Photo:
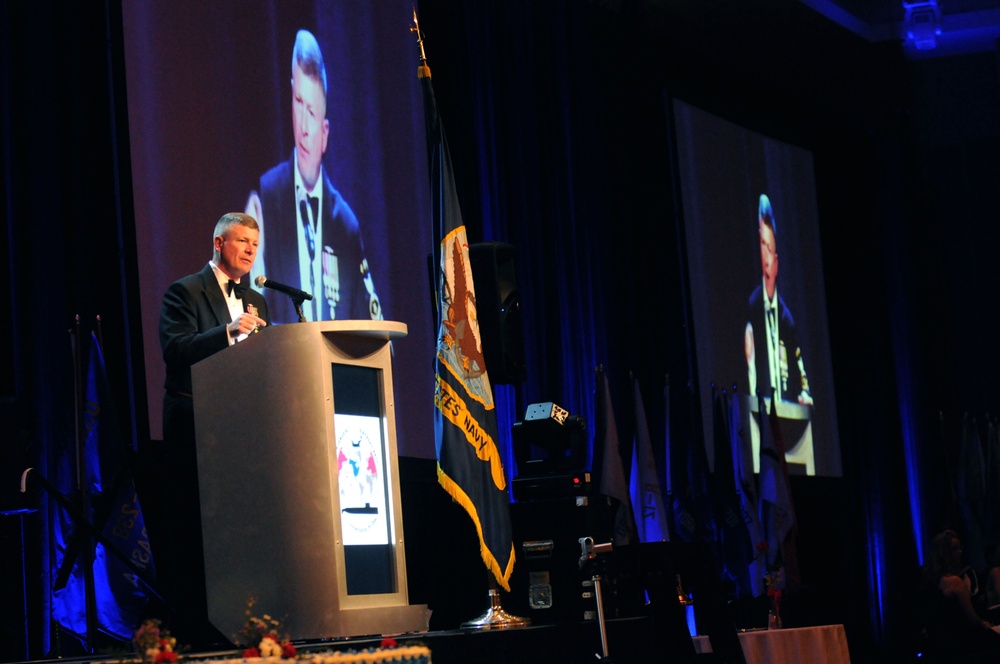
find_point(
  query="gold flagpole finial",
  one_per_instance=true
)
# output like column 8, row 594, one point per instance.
column 423, row 71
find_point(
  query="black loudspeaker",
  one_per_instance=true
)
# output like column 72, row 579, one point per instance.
column 498, row 304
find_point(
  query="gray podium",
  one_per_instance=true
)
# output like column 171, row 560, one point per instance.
column 299, row 481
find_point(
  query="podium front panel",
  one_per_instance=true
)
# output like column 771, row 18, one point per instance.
column 365, row 517
column 269, row 415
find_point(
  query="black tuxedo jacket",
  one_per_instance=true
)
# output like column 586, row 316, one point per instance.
column 193, row 321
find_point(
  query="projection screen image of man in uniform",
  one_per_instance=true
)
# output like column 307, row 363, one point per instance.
column 775, row 365
column 314, row 238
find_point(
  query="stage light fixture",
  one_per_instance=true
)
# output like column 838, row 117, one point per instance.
column 546, row 410
column 549, row 440
column 923, row 23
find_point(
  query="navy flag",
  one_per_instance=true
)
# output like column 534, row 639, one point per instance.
column 470, row 467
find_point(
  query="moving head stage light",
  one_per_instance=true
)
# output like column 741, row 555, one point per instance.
column 550, row 448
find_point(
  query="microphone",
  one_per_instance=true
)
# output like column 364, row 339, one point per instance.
column 294, row 293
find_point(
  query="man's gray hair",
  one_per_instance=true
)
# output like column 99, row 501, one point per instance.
column 231, row 219
column 307, row 57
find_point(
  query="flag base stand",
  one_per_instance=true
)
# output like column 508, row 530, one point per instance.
column 495, row 617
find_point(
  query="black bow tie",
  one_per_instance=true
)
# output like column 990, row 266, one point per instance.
column 240, row 289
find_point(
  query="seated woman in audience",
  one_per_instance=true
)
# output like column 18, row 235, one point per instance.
column 951, row 623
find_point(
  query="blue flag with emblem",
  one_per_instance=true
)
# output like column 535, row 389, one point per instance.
column 112, row 505
column 470, row 467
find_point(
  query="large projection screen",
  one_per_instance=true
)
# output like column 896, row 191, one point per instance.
column 210, row 104
column 728, row 174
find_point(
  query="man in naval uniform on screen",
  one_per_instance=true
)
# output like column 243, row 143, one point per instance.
column 774, row 360
column 773, row 354
column 313, row 238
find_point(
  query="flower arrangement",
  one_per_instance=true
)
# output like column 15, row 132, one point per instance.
column 261, row 636
column 154, row 643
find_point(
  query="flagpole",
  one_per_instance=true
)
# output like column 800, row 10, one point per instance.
column 424, row 70
column 85, row 556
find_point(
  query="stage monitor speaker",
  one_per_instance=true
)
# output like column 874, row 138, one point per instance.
column 498, row 304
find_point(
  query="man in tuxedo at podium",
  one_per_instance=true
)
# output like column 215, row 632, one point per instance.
column 770, row 343
column 202, row 314
column 313, row 238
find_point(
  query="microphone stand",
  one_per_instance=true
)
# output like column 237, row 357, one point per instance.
column 297, row 301
column 589, row 559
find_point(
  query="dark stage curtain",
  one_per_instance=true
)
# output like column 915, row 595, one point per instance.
column 579, row 185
